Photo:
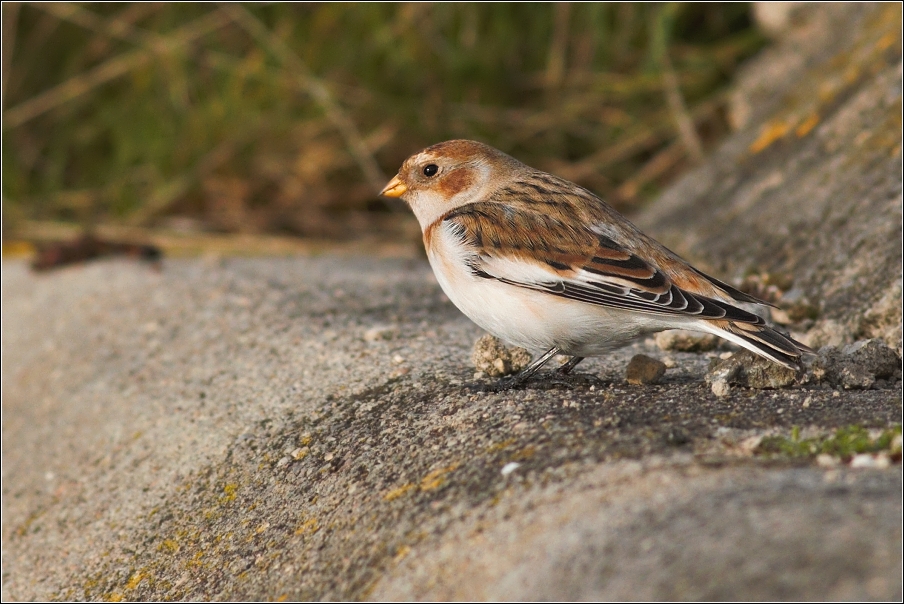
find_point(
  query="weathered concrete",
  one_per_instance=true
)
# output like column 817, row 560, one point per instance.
column 810, row 188
column 225, row 430
column 311, row 429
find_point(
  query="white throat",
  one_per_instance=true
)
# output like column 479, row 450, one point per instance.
column 430, row 206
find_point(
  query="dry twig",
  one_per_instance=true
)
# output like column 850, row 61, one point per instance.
column 118, row 66
column 678, row 108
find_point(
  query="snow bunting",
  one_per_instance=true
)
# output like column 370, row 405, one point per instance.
column 547, row 265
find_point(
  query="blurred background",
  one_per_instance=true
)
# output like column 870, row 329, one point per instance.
column 287, row 119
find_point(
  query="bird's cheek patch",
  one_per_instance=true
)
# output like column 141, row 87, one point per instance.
column 455, row 182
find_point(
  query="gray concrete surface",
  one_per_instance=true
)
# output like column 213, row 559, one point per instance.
column 311, row 428
column 226, row 430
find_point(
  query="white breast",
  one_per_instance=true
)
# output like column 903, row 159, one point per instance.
column 531, row 319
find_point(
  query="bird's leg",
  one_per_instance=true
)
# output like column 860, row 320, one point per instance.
column 571, row 364
column 528, row 371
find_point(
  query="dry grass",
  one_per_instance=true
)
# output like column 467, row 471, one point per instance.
column 288, row 118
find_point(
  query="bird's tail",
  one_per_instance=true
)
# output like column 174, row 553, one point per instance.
column 762, row 340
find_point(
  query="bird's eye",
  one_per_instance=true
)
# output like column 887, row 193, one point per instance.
column 431, row 170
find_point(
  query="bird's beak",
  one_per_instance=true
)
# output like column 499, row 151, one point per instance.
column 395, row 188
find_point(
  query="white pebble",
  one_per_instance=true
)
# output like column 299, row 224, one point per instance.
column 865, row 460
column 826, row 461
column 510, row 467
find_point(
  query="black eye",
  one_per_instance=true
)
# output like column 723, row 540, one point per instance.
column 431, row 170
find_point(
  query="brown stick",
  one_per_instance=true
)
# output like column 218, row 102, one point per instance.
column 113, row 28
column 10, row 28
column 115, row 67
column 683, row 120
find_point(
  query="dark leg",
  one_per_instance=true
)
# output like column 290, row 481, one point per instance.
column 571, row 364
column 528, row 371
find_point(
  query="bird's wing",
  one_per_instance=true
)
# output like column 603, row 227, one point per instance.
column 559, row 247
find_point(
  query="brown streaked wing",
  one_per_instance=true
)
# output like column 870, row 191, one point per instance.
column 552, row 240
column 582, row 265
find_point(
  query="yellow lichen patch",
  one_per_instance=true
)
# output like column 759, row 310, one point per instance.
column 114, row 597
column 808, row 124
column 401, row 553
column 263, row 527
column 282, row 597
column 437, row 478
column 135, row 580
column 772, row 132
column 500, row 446
column 229, row 492
column 168, row 545
column 308, row 526
column 525, row 453
column 398, row 492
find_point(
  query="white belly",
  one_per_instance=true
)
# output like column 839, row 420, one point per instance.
column 536, row 320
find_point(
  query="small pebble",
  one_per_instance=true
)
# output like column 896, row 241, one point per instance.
column 864, row 460
column 780, row 316
column 827, row 461
column 510, row 467
column 380, row 332
column 751, row 371
column 644, row 370
column 721, row 388
column 686, row 341
column 495, row 359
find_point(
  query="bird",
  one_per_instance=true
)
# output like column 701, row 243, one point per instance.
column 544, row 264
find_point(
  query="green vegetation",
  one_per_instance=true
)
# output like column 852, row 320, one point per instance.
column 844, row 443
column 287, row 117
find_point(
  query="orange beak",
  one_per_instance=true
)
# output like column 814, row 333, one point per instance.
column 395, row 188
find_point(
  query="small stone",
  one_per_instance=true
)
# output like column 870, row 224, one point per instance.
column 874, row 356
column 396, row 373
column 749, row 445
column 779, row 316
column 865, row 460
column 752, row 371
column 857, row 366
column 495, row 359
column 827, row 461
column 510, row 467
column 686, row 341
column 380, row 332
column 721, row 388
column 644, row 370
